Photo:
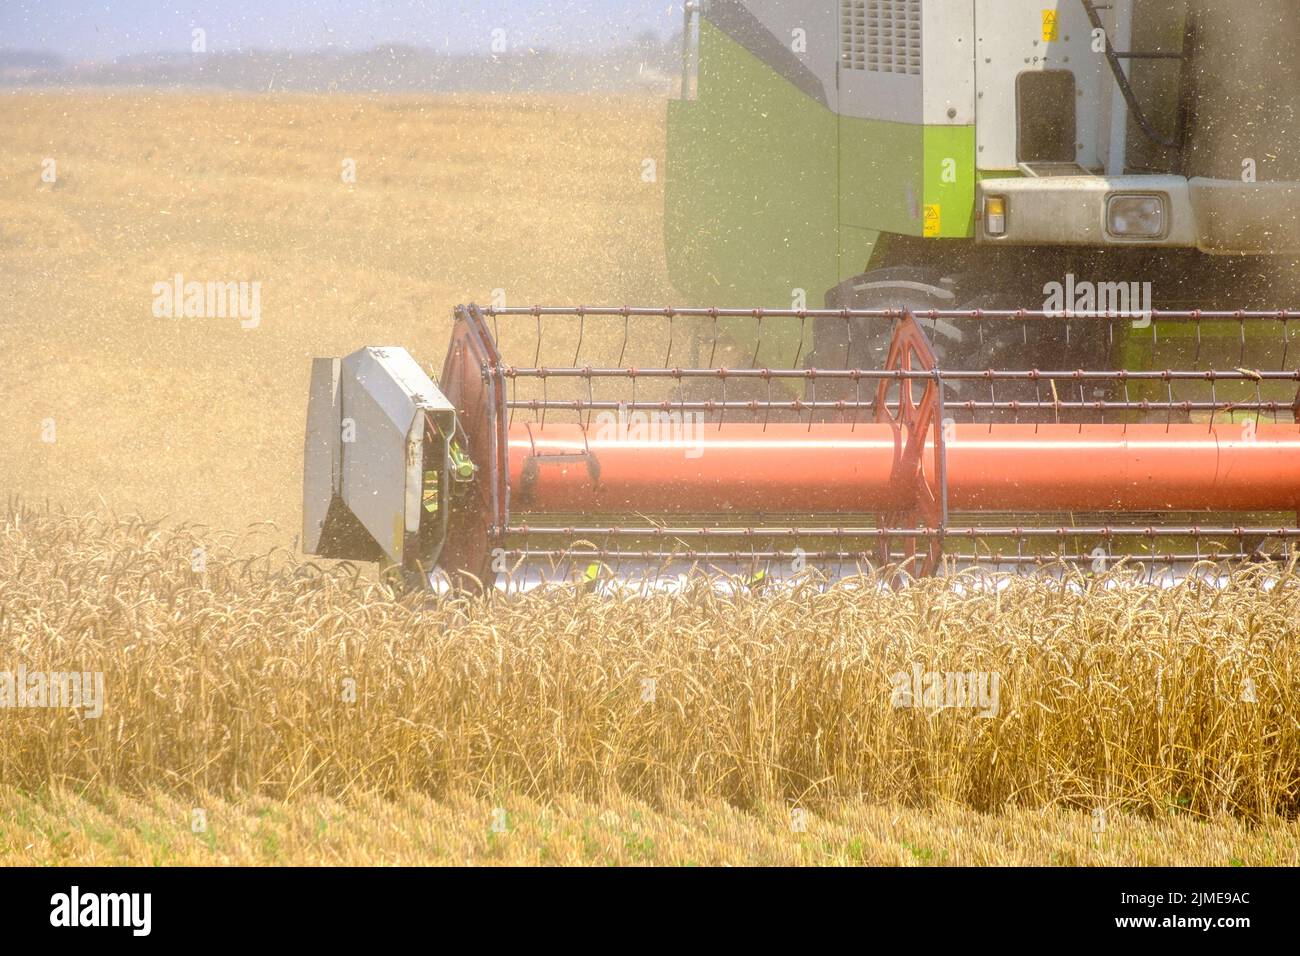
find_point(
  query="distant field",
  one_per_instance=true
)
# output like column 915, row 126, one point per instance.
column 200, row 421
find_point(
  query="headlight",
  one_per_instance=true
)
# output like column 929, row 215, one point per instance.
column 1136, row 217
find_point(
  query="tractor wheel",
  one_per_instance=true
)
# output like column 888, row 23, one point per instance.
column 1047, row 345
column 864, row 343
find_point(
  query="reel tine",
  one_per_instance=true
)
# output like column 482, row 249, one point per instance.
column 1169, row 407
column 668, row 358
column 813, row 380
column 537, row 353
column 681, row 392
column 1128, row 401
column 993, row 399
column 848, row 327
column 582, row 326
column 1286, row 339
column 591, row 399
column 767, row 409
column 722, row 410
column 623, row 348
column 857, row 398
column 713, row 351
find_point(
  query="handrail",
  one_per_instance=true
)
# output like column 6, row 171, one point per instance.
column 1126, row 88
column 690, row 10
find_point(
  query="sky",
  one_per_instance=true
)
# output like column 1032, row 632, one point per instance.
column 107, row 29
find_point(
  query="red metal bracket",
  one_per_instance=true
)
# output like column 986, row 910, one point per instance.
column 918, row 481
column 472, row 382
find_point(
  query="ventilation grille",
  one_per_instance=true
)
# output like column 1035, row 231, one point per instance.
column 881, row 36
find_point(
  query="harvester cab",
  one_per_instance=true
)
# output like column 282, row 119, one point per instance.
column 1052, row 235
column 961, row 154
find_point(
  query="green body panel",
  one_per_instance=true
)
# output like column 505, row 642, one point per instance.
column 750, row 185
column 767, row 191
column 881, row 183
column 1176, row 345
column 950, row 187
column 857, row 245
column 750, row 193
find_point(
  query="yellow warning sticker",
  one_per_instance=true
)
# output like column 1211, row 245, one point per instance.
column 1050, row 28
column 933, row 219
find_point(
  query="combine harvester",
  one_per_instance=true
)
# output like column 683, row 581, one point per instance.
column 977, row 156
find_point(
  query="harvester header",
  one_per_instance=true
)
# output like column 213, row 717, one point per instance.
column 560, row 469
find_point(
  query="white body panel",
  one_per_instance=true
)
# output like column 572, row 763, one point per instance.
column 322, row 451
column 908, row 61
column 1010, row 40
column 1218, row 216
column 1116, row 137
column 384, row 397
column 881, row 51
column 949, row 63
column 1071, row 210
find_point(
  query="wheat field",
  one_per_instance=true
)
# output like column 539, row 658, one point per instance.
column 65, row 827
column 267, row 679
column 316, row 717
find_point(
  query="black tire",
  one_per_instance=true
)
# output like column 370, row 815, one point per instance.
column 864, row 343
column 1046, row 345
column 958, row 345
